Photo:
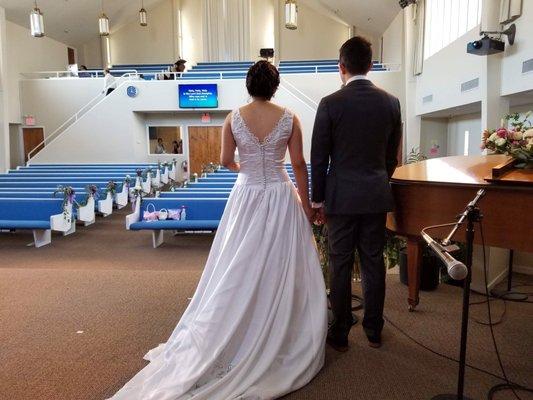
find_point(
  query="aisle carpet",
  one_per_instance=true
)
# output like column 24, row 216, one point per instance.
column 76, row 318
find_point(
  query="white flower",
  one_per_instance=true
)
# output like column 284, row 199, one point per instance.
column 493, row 137
column 518, row 135
column 500, row 142
column 528, row 133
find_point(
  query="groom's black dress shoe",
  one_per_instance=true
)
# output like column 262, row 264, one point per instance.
column 374, row 341
column 339, row 345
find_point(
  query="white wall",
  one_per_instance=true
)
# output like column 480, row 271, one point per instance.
column 28, row 54
column 456, row 134
column 152, row 44
column 393, row 40
column 62, row 97
column 191, row 30
column 317, row 36
column 262, row 26
column 90, row 53
column 443, row 74
column 513, row 80
column 317, row 86
column 433, row 134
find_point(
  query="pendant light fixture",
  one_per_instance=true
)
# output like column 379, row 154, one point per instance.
column 103, row 23
column 36, row 22
column 142, row 15
column 291, row 14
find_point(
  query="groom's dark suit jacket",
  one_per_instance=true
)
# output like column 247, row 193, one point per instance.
column 357, row 133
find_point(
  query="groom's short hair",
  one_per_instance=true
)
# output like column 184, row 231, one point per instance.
column 356, row 55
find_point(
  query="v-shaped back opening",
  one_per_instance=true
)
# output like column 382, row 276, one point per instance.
column 270, row 132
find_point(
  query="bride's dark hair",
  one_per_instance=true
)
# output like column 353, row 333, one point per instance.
column 262, row 80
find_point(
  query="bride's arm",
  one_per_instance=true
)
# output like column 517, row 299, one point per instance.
column 227, row 153
column 299, row 166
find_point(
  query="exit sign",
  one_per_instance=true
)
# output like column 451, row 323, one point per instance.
column 206, row 118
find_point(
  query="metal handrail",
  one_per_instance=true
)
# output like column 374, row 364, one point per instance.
column 82, row 111
column 295, row 89
column 70, row 74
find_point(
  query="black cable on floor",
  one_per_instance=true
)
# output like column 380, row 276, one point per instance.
column 491, row 327
column 500, row 318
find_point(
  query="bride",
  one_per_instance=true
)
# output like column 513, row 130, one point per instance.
column 256, row 326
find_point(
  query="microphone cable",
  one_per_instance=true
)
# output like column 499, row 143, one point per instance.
column 509, row 385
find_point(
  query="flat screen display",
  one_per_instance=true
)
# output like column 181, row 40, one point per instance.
column 198, row 95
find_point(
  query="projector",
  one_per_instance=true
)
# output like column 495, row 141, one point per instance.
column 266, row 53
column 485, row 46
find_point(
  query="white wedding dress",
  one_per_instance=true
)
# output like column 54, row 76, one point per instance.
column 256, row 326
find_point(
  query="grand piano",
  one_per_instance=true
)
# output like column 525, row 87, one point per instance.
column 435, row 191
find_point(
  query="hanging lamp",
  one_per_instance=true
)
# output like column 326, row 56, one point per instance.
column 36, row 22
column 103, row 23
column 291, row 14
column 143, row 15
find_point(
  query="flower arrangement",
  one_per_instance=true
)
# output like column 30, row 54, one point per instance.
column 111, row 187
column 176, row 184
column 127, row 181
column 516, row 141
column 209, row 168
column 146, row 172
column 139, row 172
column 92, row 191
column 69, row 196
column 136, row 193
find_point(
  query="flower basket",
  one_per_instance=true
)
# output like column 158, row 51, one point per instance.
column 513, row 138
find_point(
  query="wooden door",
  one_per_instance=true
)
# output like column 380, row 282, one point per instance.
column 32, row 138
column 204, row 146
column 71, row 56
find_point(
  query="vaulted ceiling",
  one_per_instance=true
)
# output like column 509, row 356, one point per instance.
column 373, row 16
column 74, row 22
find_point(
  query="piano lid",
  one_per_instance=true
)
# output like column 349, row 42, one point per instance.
column 459, row 170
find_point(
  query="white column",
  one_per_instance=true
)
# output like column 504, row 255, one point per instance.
column 493, row 105
column 412, row 122
column 4, row 96
column 176, row 28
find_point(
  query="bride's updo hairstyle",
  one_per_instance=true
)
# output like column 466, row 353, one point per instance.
column 262, row 80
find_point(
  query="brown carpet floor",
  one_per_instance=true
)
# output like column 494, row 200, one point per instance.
column 76, row 318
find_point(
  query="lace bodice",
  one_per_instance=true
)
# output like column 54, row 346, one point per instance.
column 262, row 162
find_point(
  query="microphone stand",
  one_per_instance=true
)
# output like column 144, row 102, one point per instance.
column 472, row 214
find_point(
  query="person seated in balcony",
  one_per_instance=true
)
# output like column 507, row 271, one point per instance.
column 83, row 73
column 160, row 147
column 180, row 66
column 177, row 147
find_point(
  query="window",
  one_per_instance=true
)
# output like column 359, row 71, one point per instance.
column 165, row 140
column 448, row 20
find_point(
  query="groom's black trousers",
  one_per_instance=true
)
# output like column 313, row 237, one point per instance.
column 366, row 233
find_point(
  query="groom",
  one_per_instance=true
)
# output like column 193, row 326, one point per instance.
column 355, row 144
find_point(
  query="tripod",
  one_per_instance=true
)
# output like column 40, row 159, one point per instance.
column 472, row 214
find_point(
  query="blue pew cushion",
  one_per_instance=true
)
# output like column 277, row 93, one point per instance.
column 176, row 225
column 18, row 224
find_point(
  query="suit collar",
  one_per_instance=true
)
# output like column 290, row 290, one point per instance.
column 360, row 82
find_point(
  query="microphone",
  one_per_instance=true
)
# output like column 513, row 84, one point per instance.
column 456, row 269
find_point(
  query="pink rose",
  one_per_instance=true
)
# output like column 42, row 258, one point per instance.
column 502, row 132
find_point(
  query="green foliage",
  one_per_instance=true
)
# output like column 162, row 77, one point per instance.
column 415, row 156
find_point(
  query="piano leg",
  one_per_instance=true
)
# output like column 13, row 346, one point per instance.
column 414, row 263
